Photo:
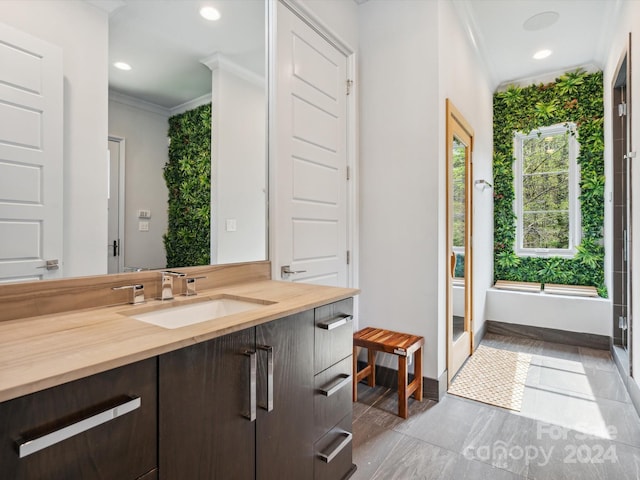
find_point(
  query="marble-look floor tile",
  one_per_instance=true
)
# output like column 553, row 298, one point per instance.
column 576, row 378
column 449, row 423
column 599, row 359
column 576, row 412
column 513, row 344
column 572, row 456
column 413, row 459
column 500, row 440
column 371, row 446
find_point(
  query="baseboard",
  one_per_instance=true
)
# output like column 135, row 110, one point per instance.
column 432, row 389
column 479, row 335
column 577, row 339
column 621, row 359
column 634, row 393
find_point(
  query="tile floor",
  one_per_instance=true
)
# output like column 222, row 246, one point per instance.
column 576, row 422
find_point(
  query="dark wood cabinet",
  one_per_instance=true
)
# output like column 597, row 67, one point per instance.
column 206, row 428
column 205, row 393
column 270, row 402
column 333, row 391
column 102, row 426
column 285, row 434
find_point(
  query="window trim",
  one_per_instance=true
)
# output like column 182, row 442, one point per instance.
column 575, row 218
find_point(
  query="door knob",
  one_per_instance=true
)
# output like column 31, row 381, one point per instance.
column 51, row 265
column 285, row 271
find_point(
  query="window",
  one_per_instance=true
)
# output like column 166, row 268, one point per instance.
column 546, row 189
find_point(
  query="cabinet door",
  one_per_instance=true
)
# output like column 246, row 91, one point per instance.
column 103, row 426
column 333, row 333
column 204, row 392
column 285, row 434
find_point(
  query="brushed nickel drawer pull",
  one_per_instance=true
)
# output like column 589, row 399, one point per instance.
column 335, row 322
column 342, row 381
column 29, row 446
column 345, row 441
column 269, row 350
column 253, row 374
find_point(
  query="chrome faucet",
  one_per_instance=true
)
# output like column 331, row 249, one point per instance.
column 166, row 283
column 137, row 292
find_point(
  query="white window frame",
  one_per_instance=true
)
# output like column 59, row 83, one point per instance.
column 575, row 219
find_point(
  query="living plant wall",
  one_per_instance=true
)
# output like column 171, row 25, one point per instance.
column 188, row 177
column 574, row 97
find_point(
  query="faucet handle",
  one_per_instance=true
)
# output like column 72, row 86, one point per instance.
column 137, row 292
column 190, row 285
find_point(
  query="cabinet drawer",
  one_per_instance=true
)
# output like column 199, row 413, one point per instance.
column 333, row 453
column 333, row 396
column 103, row 426
column 333, row 333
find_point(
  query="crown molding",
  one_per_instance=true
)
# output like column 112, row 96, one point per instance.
column 218, row 61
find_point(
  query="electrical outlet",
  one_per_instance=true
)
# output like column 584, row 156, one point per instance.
column 231, row 225
column 143, row 226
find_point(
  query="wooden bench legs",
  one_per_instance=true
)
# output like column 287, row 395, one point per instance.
column 405, row 389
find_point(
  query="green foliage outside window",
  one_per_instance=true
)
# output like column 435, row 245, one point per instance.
column 575, row 97
column 545, row 191
column 188, row 178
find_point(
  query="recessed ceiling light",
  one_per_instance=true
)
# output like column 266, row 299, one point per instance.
column 540, row 54
column 210, row 13
column 122, row 66
column 540, row 21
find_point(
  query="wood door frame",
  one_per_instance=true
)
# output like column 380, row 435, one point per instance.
column 456, row 123
column 306, row 15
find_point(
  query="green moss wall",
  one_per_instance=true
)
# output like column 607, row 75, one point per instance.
column 574, row 97
column 188, row 177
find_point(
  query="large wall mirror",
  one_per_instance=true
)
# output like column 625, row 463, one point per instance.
column 180, row 62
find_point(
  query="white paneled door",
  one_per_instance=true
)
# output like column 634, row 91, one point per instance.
column 310, row 164
column 31, row 119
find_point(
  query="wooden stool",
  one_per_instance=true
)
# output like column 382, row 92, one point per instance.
column 400, row 344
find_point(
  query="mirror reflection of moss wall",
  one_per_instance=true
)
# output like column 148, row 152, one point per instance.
column 188, row 177
column 546, row 228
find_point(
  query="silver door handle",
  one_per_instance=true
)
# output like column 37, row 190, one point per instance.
column 285, row 271
column 253, row 369
column 29, row 446
column 51, row 265
column 342, row 381
column 335, row 322
column 269, row 350
column 327, row 457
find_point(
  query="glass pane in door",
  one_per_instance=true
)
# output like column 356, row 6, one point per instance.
column 458, row 187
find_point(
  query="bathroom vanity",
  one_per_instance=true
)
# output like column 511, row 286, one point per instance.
column 263, row 393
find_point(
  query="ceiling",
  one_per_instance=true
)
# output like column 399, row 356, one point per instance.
column 580, row 35
column 165, row 41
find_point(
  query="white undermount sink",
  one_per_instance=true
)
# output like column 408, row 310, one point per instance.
column 181, row 314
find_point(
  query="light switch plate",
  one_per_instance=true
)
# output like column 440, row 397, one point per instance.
column 231, row 225
column 143, row 226
column 144, row 213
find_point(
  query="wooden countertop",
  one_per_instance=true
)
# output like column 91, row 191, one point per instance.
column 44, row 351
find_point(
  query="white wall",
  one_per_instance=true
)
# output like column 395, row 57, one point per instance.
column 340, row 17
column 239, row 168
column 464, row 80
column 82, row 32
column 562, row 312
column 400, row 167
column 146, row 153
column 414, row 55
column 629, row 21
